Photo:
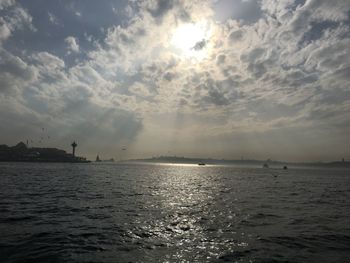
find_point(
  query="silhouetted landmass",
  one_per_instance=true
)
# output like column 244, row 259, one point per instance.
column 186, row 160
column 22, row 153
column 335, row 164
column 271, row 163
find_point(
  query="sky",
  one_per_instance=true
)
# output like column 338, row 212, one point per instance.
column 226, row 79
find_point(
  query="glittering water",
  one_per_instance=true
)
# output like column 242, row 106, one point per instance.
column 172, row 213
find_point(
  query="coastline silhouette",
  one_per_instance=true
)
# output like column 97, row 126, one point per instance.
column 22, row 153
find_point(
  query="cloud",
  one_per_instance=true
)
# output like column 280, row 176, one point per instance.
column 16, row 18
column 19, row 19
column 48, row 60
column 53, row 19
column 247, row 12
column 281, row 68
column 14, row 73
column 72, row 44
column 139, row 90
column 65, row 104
column 5, row 31
column 6, row 3
column 158, row 8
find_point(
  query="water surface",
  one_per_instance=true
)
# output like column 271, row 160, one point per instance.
column 172, row 213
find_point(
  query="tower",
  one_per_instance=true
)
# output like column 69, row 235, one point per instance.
column 74, row 145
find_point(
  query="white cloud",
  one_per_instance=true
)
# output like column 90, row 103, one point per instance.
column 20, row 19
column 5, row 31
column 15, row 74
column 16, row 18
column 48, row 60
column 72, row 44
column 53, row 19
column 288, row 73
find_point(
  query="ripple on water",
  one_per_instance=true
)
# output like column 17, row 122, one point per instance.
column 159, row 213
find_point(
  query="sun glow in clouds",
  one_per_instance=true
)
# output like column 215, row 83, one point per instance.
column 192, row 39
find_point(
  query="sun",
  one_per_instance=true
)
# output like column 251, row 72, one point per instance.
column 191, row 40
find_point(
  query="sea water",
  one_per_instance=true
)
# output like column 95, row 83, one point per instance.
column 172, row 213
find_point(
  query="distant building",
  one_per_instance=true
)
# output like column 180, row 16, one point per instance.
column 74, row 145
column 22, row 153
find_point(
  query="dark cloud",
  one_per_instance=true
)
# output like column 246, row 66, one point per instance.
column 220, row 59
column 246, row 11
column 317, row 29
column 236, row 35
column 200, row 45
column 216, row 97
column 107, row 127
column 169, row 76
column 159, row 8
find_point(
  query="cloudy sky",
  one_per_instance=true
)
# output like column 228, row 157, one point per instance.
column 210, row 78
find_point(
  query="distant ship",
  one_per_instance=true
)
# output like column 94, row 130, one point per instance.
column 201, row 163
column 265, row 165
column 98, row 159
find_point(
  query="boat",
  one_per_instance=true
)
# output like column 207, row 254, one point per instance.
column 265, row 165
column 201, row 163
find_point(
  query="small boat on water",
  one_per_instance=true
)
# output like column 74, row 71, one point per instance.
column 201, row 163
column 265, row 165
column 285, row 168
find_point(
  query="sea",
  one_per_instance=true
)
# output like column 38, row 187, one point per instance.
column 138, row 212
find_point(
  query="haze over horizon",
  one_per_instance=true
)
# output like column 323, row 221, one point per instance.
column 215, row 78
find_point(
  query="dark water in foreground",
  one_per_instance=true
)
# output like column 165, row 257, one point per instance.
column 172, row 213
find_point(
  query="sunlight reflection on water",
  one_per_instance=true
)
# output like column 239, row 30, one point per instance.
column 185, row 196
column 171, row 213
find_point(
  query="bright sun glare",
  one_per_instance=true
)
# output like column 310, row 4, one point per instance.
column 191, row 39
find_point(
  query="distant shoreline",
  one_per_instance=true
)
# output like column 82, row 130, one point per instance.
column 42, row 161
column 185, row 160
column 22, row 153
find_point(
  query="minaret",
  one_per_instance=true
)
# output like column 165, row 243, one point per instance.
column 74, row 145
